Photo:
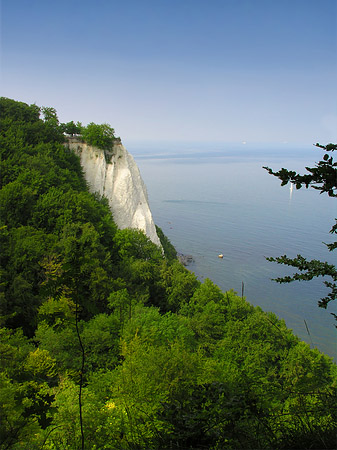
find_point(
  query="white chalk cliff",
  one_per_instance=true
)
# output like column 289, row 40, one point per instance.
column 115, row 175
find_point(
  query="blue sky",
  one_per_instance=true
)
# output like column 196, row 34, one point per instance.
column 182, row 70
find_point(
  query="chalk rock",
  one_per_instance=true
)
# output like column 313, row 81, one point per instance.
column 115, row 175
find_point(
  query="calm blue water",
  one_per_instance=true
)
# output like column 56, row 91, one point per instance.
column 212, row 198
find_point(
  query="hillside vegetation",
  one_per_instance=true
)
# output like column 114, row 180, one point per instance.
column 108, row 344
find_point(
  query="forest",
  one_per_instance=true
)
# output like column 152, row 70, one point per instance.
column 109, row 343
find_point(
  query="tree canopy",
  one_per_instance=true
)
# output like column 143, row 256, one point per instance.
column 102, row 136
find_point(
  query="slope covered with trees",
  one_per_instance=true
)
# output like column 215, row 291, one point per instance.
column 106, row 343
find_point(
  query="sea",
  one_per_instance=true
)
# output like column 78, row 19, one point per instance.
column 215, row 198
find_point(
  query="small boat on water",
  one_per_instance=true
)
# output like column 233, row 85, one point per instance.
column 220, row 256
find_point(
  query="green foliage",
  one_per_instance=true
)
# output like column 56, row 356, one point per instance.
column 52, row 128
column 101, row 340
column 179, row 284
column 45, row 206
column 141, row 261
column 100, row 322
column 150, row 376
column 309, row 270
column 26, row 247
column 208, row 311
column 25, row 394
column 134, row 243
column 169, row 250
column 157, row 329
column 101, row 136
column 323, row 177
column 72, row 128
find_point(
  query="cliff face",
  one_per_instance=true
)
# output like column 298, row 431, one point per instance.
column 115, row 175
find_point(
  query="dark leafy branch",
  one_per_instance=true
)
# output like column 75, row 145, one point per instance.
column 308, row 271
column 322, row 177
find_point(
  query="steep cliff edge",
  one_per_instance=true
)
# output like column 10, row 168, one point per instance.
column 115, row 175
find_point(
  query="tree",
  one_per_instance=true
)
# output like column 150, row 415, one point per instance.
column 26, row 376
column 53, row 129
column 72, row 128
column 50, row 115
column 14, row 111
column 101, row 136
column 322, row 177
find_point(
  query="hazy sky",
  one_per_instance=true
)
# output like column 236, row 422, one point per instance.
column 194, row 70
